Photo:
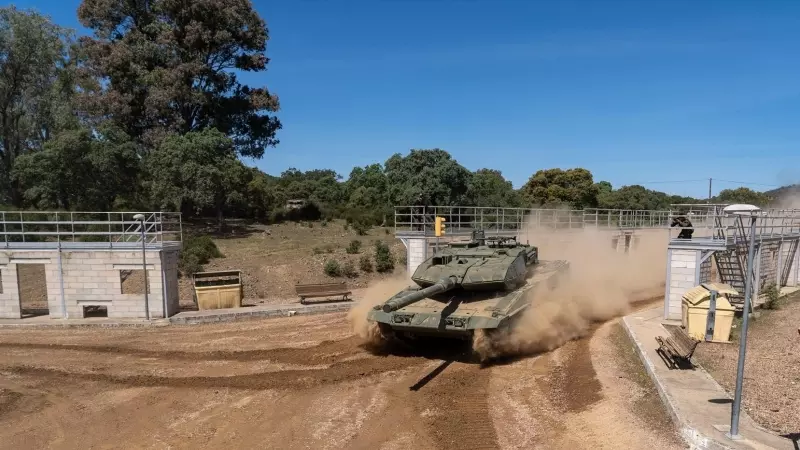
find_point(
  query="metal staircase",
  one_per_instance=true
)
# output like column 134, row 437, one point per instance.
column 731, row 263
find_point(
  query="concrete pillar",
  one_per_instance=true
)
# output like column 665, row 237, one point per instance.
column 682, row 275
column 416, row 252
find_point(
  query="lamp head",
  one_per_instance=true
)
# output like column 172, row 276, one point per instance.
column 138, row 217
column 742, row 209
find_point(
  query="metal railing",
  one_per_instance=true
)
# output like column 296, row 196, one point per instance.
column 464, row 219
column 46, row 229
column 709, row 221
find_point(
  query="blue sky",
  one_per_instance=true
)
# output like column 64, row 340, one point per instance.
column 635, row 91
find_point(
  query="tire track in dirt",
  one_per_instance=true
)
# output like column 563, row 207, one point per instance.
column 287, row 379
column 574, row 385
column 455, row 410
column 325, row 351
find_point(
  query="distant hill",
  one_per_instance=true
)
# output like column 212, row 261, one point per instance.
column 784, row 190
column 785, row 196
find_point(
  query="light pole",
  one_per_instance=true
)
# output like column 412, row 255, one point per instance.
column 752, row 211
column 140, row 218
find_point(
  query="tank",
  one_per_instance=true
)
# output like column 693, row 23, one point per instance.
column 478, row 285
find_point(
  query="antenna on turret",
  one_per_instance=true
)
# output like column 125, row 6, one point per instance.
column 479, row 236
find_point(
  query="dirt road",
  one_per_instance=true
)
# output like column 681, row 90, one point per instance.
column 305, row 382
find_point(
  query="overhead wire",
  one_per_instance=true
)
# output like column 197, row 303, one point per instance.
column 747, row 183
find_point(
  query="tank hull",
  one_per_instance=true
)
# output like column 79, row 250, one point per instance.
column 457, row 314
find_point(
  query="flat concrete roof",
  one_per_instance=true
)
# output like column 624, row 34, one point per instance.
column 94, row 246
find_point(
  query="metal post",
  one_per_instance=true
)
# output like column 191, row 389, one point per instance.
column 144, row 266
column 712, row 315
column 163, row 282
column 748, row 286
column 64, row 312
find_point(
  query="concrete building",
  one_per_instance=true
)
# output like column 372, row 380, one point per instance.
column 91, row 261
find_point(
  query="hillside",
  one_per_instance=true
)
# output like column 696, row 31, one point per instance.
column 273, row 258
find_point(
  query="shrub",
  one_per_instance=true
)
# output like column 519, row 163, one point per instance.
column 365, row 264
column 773, row 295
column 197, row 251
column 349, row 270
column 383, row 257
column 190, row 264
column 354, row 247
column 401, row 259
column 332, row 268
column 361, row 228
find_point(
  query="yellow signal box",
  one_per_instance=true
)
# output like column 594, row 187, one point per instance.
column 439, row 226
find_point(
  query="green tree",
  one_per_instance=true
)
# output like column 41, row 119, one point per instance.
column 76, row 170
column 488, row 187
column 426, row 177
column 33, row 59
column 742, row 195
column 366, row 192
column 199, row 171
column 554, row 187
column 161, row 67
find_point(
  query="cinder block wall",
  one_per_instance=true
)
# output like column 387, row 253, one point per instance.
column 417, row 253
column 682, row 275
column 92, row 278
column 768, row 269
column 9, row 298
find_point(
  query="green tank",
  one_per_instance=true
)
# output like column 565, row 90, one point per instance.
column 480, row 285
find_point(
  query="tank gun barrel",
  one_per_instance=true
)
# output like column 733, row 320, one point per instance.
column 445, row 284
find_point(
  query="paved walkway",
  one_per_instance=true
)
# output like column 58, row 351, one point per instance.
column 697, row 403
column 185, row 317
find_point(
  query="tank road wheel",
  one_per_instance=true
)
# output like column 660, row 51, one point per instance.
column 493, row 343
column 483, row 344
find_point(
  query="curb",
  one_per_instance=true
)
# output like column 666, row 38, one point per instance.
column 285, row 311
column 691, row 435
column 155, row 323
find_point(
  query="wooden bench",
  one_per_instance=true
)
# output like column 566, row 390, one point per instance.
column 676, row 349
column 311, row 290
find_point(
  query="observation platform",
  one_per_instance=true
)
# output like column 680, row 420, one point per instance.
column 92, row 262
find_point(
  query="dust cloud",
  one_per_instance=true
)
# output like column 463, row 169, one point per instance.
column 790, row 200
column 600, row 284
column 374, row 295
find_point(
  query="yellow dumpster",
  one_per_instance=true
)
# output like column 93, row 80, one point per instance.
column 695, row 305
column 218, row 290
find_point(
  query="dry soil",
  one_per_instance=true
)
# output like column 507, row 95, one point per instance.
column 306, row 382
column 273, row 258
